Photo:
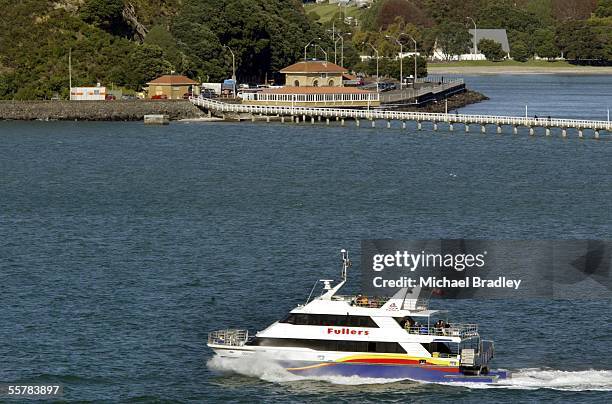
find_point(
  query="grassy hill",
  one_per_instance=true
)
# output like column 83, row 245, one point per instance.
column 324, row 12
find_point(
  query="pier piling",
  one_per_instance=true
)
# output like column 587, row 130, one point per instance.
column 515, row 130
column 531, row 131
column 435, row 126
column 467, row 128
column 499, row 129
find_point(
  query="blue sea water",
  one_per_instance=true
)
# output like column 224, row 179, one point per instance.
column 123, row 245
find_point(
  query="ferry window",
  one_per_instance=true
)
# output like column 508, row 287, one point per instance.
column 331, row 83
column 444, row 348
column 296, row 83
column 330, row 320
column 329, row 345
column 315, row 83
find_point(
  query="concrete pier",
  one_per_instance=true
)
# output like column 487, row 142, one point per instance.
column 327, row 121
column 499, row 129
column 483, row 129
column 467, row 128
column 450, row 127
column 419, row 125
column 435, row 126
column 531, row 131
column 515, row 130
column 156, row 119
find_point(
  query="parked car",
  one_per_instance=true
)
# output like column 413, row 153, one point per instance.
column 110, row 97
column 187, row 95
column 159, row 97
column 208, row 93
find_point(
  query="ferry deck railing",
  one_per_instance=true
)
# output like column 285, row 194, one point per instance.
column 229, row 337
column 453, row 330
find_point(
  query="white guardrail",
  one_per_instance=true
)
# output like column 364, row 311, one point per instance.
column 374, row 114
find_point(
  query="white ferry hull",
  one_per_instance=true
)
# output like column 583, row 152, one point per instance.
column 384, row 366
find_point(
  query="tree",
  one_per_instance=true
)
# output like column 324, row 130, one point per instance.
column 519, row 52
column 573, row 9
column 579, row 40
column 545, row 46
column 604, row 8
column 159, row 36
column 491, row 49
column 453, row 39
column 105, row 14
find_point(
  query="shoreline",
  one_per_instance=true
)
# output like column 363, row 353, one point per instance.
column 509, row 70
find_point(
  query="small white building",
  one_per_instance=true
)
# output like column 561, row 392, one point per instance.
column 97, row 93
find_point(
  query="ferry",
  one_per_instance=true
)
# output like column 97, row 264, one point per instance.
column 392, row 338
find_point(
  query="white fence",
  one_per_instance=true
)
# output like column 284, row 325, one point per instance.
column 375, row 114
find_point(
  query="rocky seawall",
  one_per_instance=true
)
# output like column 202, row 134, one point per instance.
column 455, row 101
column 118, row 110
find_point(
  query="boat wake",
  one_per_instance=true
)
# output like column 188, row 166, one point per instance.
column 263, row 368
column 535, row 378
column 522, row 379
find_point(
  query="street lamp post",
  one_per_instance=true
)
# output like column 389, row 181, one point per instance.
column 401, row 58
column 307, row 45
column 233, row 66
column 415, row 58
column 322, row 50
column 377, row 77
column 475, row 32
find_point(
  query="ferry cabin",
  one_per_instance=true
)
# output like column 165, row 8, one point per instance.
column 313, row 97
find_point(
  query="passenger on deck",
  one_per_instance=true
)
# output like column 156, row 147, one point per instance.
column 361, row 300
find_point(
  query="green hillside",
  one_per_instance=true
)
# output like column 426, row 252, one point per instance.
column 126, row 43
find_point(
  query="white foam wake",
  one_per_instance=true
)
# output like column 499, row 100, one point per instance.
column 265, row 369
column 533, row 378
column 522, row 379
